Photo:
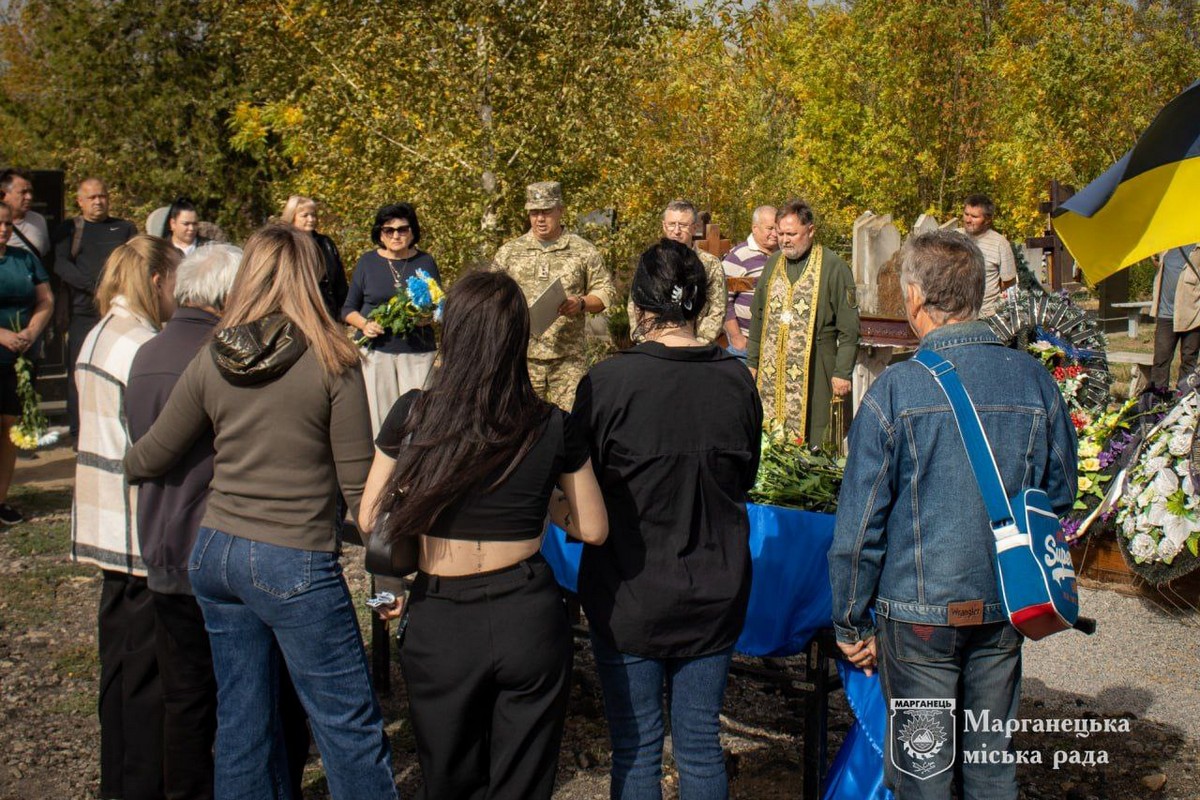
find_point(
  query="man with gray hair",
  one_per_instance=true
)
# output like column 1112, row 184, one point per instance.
column 169, row 512
column 914, row 541
column 679, row 224
column 743, row 264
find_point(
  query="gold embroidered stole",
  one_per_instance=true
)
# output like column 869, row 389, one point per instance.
column 786, row 343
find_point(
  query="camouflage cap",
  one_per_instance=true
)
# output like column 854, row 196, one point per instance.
column 544, row 195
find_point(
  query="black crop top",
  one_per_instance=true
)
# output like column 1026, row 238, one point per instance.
column 516, row 509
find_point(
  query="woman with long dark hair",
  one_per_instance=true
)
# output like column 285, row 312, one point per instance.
column 675, row 427
column 282, row 390
column 469, row 465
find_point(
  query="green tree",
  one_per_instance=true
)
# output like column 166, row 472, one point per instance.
column 454, row 106
column 137, row 92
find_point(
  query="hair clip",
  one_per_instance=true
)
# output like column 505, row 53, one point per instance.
column 676, row 293
column 691, row 297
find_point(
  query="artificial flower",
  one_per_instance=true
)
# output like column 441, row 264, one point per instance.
column 1168, row 549
column 1180, row 443
column 1166, row 483
column 1143, row 547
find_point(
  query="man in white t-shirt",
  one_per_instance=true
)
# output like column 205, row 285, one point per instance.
column 999, row 266
column 29, row 227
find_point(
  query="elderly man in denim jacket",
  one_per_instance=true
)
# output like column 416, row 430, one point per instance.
column 914, row 542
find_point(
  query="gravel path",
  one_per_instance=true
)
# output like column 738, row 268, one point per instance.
column 1144, row 659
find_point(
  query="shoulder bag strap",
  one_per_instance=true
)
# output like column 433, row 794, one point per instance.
column 1182, row 252
column 77, row 238
column 983, row 463
column 32, row 248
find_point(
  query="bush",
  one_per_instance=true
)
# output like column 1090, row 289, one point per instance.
column 1141, row 280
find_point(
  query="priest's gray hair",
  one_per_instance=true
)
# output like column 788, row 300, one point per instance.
column 947, row 269
column 205, row 277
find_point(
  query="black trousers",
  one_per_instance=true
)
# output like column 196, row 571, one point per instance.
column 77, row 331
column 487, row 664
column 190, row 700
column 1165, row 341
column 131, row 700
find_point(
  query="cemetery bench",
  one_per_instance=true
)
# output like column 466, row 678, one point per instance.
column 1134, row 312
column 1139, row 367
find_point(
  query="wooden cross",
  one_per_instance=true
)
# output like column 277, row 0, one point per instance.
column 1060, row 265
column 712, row 243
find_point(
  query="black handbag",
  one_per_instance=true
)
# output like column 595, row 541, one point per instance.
column 392, row 559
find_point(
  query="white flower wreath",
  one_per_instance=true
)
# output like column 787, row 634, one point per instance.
column 1158, row 514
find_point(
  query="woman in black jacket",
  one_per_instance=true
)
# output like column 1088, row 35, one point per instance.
column 302, row 213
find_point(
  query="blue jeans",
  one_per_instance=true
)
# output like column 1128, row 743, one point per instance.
column 633, row 702
column 979, row 668
column 254, row 594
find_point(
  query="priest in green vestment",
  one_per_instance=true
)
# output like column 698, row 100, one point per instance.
column 803, row 329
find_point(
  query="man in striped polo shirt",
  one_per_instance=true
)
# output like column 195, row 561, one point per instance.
column 999, row 266
column 747, row 261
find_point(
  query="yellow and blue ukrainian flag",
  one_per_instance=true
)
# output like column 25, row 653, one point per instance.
column 1147, row 202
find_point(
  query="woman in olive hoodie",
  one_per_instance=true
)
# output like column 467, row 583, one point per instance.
column 282, row 388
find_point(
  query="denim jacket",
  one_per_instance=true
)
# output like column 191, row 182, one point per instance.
column 912, row 534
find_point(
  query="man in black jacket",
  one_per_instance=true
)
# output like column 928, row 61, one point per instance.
column 169, row 512
column 81, row 246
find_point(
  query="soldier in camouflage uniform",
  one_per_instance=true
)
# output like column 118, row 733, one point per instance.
column 546, row 253
column 679, row 224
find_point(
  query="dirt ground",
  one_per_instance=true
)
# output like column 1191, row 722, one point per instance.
column 50, row 734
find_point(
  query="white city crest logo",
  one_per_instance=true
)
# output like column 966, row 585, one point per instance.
column 923, row 737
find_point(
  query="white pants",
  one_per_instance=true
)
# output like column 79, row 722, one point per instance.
column 389, row 375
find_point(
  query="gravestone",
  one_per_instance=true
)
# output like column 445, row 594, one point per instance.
column 882, row 326
column 875, row 240
column 1061, row 265
column 924, row 224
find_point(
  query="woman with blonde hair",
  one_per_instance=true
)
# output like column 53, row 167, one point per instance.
column 135, row 297
column 282, row 388
column 302, row 213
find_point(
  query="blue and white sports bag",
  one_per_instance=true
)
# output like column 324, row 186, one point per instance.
column 1033, row 560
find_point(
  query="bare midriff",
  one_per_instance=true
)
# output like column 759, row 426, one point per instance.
column 457, row 557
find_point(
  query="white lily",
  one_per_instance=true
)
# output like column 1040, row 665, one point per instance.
column 1166, row 483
